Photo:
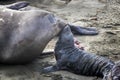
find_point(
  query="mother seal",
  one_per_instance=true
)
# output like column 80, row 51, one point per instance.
column 24, row 34
column 71, row 58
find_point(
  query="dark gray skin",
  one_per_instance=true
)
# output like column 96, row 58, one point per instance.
column 24, row 34
column 71, row 58
column 17, row 5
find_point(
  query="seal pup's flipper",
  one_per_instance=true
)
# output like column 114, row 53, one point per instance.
column 18, row 5
column 83, row 31
column 58, row 66
column 50, row 69
column 54, row 68
column 47, row 53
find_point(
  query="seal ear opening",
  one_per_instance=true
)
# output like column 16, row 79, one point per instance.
column 18, row 5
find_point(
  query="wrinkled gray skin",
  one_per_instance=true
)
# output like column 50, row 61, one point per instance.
column 25, row 33
column 114, row 74
column 73, row 59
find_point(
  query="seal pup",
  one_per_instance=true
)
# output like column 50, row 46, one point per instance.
column 72, row 58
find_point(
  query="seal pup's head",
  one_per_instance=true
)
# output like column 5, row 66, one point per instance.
column 66, row 37
column 65, row 42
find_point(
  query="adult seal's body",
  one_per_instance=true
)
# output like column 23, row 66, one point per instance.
column 71, row 58
column 24, row 34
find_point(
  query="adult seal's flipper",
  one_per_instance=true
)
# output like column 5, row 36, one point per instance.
column 18, row 5
column 83, row 31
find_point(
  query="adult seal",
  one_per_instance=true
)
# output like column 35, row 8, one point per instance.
column 24, row 34
column 72, row 58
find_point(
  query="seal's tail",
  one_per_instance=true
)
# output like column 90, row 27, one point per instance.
column 114, row 73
